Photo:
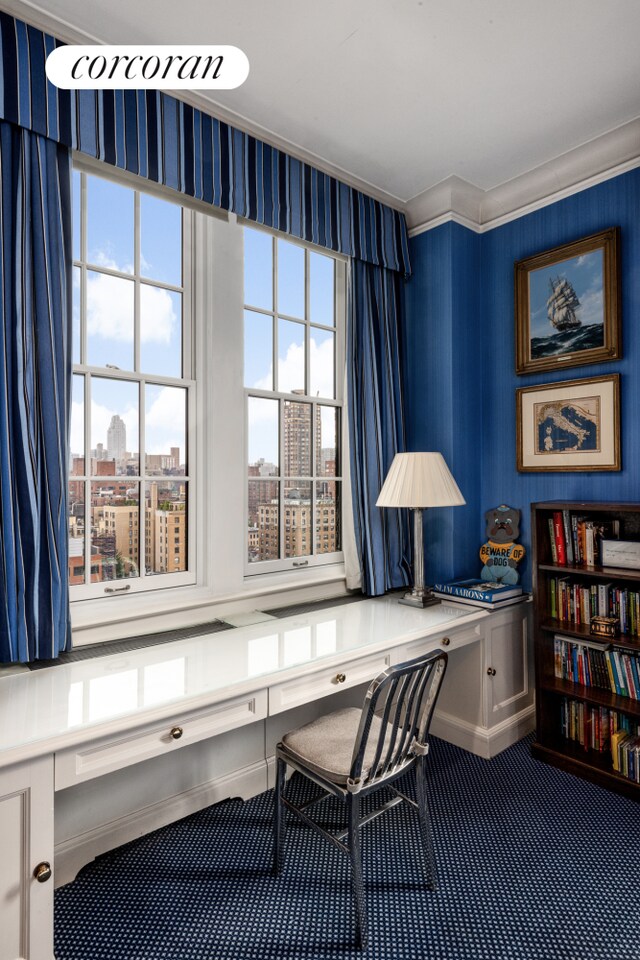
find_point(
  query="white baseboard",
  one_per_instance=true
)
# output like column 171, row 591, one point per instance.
column 483, row 742
column 73, row 854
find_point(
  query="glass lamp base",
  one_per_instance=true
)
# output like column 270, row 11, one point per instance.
column 419, row 598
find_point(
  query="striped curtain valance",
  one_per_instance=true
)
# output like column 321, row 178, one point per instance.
column 156, row 136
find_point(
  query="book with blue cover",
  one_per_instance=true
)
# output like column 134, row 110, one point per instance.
column 480, row 591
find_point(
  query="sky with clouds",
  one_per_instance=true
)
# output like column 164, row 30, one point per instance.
column 110, row 245
column 110, row 316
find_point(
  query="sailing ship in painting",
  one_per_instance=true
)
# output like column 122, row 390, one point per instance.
column 569, row 334
column 562, row 305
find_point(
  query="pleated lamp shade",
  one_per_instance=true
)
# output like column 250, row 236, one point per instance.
column 419, row 480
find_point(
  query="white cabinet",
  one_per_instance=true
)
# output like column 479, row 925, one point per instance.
column 26, row 849
column 486, row 702
column 507, row 664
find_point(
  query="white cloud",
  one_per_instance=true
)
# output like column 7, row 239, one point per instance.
column 77, row 428
column 158, row 319
column 591, row 307
column 102, row 259
column 291, row 369
column 263, row 432
column 110, row 308
column 165, row 422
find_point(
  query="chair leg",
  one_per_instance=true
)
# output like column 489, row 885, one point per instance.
column 280, row 817
column 428, row 854
column 355, row 854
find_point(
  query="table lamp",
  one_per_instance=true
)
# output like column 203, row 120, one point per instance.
column 417, row 481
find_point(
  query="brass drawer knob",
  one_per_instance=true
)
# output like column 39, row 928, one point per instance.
column 491, row 672
column 340, row 678
column 176, row 732
column 42, row 872
column 446, row 641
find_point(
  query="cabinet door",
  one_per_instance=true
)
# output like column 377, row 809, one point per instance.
column 508, row 664
column 26, row 842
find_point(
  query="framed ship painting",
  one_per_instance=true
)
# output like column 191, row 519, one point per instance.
column 570, row 426
column 568, row 304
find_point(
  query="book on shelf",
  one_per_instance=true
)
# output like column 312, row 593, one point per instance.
column 559, row 537
column 573, row 602
column 568, row 539
column 597, row 664
column 603, row 730
column 576, row 540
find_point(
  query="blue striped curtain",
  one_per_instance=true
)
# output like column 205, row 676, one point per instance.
column 35, row 372
column 155, row 136
column 376, row 424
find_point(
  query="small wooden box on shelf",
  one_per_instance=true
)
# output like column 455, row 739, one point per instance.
column 587, row 686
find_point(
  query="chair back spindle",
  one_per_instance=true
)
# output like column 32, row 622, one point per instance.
column 395, row 718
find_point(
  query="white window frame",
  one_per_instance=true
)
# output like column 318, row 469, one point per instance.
column 262, row 567
column 143, row 583
column 214, row 246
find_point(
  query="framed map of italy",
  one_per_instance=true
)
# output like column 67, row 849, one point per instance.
column 569, row 426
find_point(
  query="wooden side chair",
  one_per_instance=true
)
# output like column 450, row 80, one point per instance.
column 353, row 752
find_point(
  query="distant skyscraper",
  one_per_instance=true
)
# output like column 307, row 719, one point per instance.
column 117, row 439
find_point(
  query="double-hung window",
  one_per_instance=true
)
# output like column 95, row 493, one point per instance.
column 133, row 395
column 293, row 363
column 158, row 369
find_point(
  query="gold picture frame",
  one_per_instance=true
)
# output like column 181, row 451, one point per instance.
column 568, row 427
column 567, row 304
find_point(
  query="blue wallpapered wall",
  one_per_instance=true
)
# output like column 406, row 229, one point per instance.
column 444, row 383
column 461, row 379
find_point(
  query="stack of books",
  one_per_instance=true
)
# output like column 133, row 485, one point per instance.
column 479, row 593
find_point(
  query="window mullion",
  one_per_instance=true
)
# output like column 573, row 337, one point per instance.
column 274, row 381
column 88, row 518
column 281, row 545
column 142, row 467
column 307, row 329
column 83, row 268
column 314, row 471
column 136, row 281
column 188, row 359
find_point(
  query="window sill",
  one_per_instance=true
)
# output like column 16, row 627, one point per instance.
column 114, row 618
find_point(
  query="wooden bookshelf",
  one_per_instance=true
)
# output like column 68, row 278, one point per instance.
column 572, row 716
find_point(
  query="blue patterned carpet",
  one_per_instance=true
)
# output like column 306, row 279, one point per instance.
column 533, row 865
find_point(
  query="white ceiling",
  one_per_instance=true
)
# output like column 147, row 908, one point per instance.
column 402, row 94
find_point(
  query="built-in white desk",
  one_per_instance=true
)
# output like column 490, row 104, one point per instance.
column 129, row 742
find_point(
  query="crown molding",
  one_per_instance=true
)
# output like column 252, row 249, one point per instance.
column 441, row 202
column 607, row 156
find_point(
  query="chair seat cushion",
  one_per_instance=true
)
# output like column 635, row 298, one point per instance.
column 325, row 745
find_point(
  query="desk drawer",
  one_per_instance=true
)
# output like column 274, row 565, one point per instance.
column 98, row 757
column 293, row 693
column 448, row 641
